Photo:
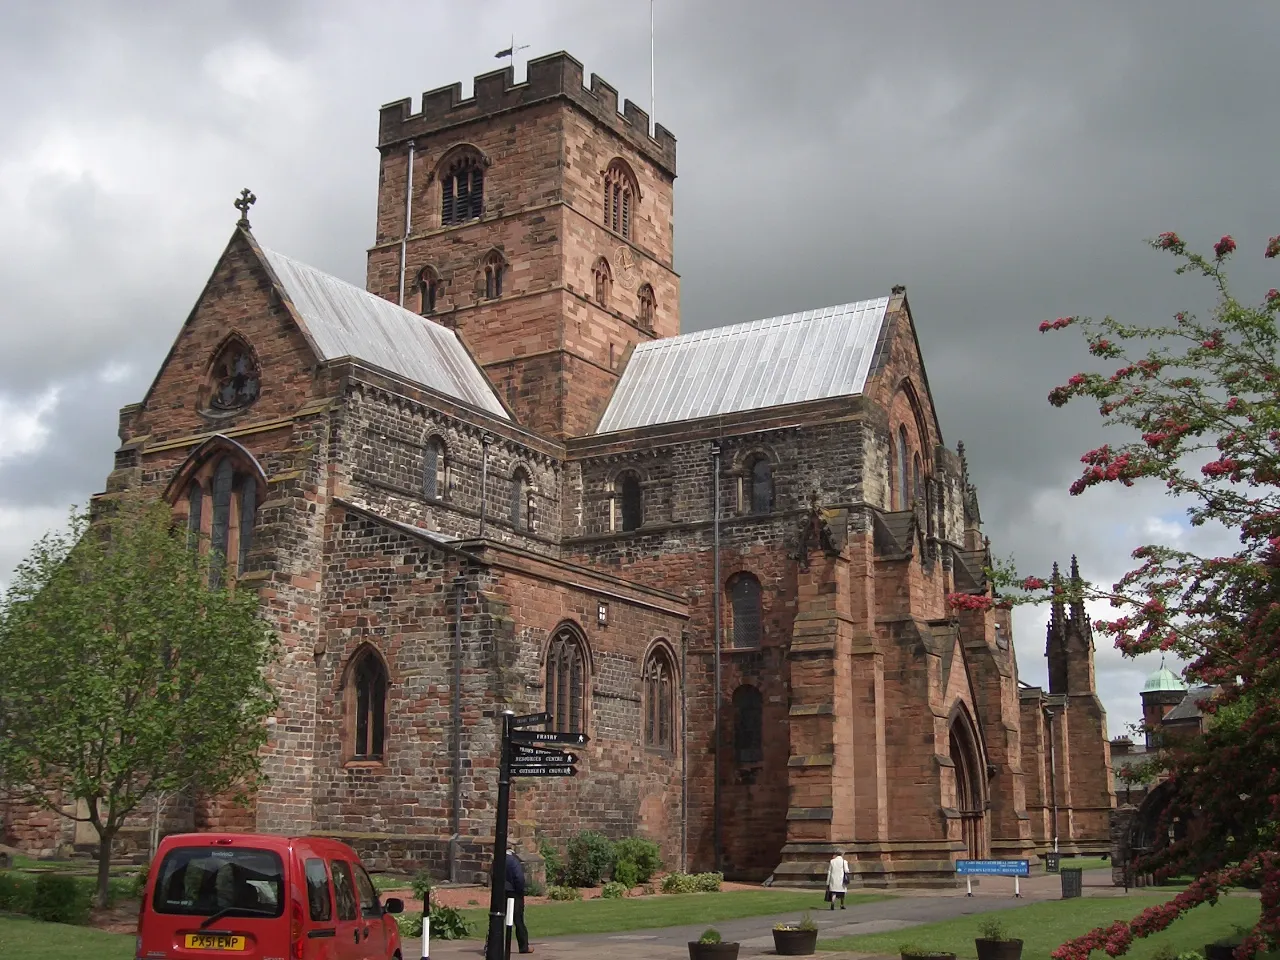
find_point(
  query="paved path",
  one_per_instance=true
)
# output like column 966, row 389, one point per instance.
column 908, row 908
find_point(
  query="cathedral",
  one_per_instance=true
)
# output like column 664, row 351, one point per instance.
column 499, row 477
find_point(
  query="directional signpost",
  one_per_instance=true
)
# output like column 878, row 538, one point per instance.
column 993, row 868
column 525, row 753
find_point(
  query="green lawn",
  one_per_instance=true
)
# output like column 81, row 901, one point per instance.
column 666, row 910
column 1086, row 863
column 1043, row 927
column 24, row 939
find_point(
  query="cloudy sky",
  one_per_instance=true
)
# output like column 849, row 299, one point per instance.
column 1005, row 161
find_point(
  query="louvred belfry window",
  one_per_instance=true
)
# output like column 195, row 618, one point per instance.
column 462, row 191
column 619, row 198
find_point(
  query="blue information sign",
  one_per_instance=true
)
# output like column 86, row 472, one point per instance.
column 993, row 868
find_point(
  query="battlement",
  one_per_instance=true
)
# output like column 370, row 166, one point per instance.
column 557, row 75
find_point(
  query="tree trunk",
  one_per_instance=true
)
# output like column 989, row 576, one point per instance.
column 105, row 836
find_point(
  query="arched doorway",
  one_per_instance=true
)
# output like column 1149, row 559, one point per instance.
column 970, row 797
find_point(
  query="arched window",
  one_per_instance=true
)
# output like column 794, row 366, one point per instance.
column 494, row 268
column 620, row 193
column 195, row 509
column 744, row 602
column 220, row 530
column 234, row 379
column 632, row 496
column 462, row 190
column 367, row 702
column 748, row 725
column 761, row 480
column 904, row 470
column 647, row 306
column 917, row 479
column 603, row 278
column 433, row 469
column 248, row 507
column 428, row 290
column 519, row 499
column 659, row 700
column 566, row 682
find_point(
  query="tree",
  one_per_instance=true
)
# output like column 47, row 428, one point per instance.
column 1203, row 398
column 124, row 676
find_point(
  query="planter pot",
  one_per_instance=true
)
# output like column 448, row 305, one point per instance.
column 795, row 943
column 712, row 951
column 928, row 956
column 999, row 949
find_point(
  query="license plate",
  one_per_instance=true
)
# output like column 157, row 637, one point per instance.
column 214, row 941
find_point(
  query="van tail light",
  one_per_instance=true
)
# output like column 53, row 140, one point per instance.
column 295, row 930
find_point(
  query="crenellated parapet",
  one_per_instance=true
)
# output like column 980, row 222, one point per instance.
column 557, row 75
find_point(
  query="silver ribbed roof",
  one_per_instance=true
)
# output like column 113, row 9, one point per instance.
column 748, row 366
column 344, row 321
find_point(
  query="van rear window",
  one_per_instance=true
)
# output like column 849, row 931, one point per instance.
column 202, row 881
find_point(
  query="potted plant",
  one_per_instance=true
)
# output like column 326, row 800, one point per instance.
column 994, row 942
column 910, row 951
column 710, row 946
column 796, row 939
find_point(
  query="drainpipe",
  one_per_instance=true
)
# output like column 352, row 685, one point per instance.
column 408, row 222
column 484, row 477
column 1053, row 774
column 684, row 755
column 459, row 585
column 715, row 537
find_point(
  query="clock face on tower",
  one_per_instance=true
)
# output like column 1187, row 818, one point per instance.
column 624, row 267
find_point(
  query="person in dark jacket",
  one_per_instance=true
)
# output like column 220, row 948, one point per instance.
column 515, row 890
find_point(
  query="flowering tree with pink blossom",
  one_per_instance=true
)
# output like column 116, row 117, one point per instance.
column 1201, row 398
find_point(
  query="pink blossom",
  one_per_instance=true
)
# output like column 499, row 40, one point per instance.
column 1033, row 583
column 1273, row 248
column 1169, row 241
column 1224, row 247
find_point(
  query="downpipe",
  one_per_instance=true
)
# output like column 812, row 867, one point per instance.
column 716, row 601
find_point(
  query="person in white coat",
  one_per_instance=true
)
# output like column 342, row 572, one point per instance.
column 837, row 880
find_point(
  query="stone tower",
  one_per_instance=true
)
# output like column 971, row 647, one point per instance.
column 1069, row 641
column 538, row 225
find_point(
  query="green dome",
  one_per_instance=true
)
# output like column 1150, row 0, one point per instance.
column 1163, row 679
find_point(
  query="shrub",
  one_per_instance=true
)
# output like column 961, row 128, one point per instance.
column 552, row 860
column 534, row 888
column 558, row 892
column 139, row 885
column 590, row 856
column 421, row 884
column 707, row 882
column 16, row 892
column 613, row 891
column 804, row 923
column 710, row 935
column 645, row 854
column 626, row 874
column 446, row 924
column 61, row 899
column 992, row 929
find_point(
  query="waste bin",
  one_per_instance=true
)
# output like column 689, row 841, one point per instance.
column 1072, row 881
column 1052, row 861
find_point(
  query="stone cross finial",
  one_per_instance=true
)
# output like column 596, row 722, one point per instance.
column 243, row 204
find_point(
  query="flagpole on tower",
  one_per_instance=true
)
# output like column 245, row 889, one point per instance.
column 653, row 116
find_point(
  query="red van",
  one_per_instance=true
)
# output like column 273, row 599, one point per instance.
column 253, row 896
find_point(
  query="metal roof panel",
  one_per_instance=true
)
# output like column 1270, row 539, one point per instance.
column 748, row 366
column 346, row 321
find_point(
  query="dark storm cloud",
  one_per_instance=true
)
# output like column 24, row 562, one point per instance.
column 1003, row 160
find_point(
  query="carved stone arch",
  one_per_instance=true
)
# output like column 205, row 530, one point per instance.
column 212, row 449
column 922, row 431
column 363, row 649
column 972, row 792
column 520, row 501
column 232, row 379
column 456, row 152
column 659, row 682
column 618, row 166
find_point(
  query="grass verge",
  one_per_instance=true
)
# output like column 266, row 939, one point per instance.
column 666, row 910
column 1086, row 863
column 24, row 939
column 1043, row 927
